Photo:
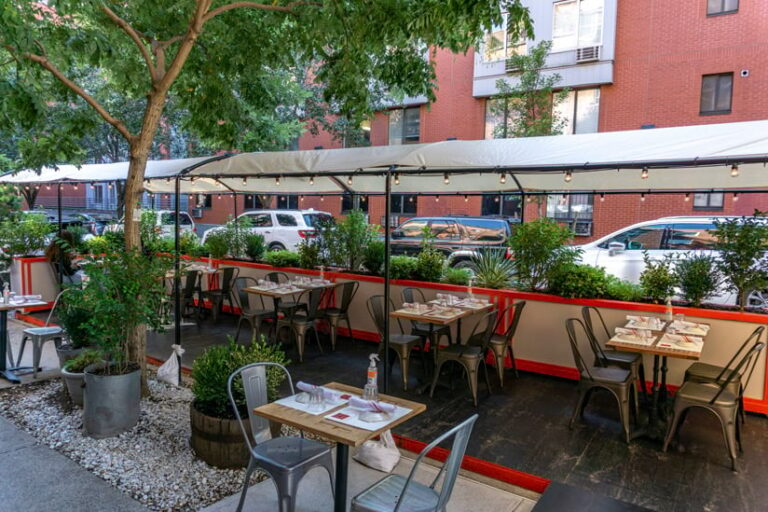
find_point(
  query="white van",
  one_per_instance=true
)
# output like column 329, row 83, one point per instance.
column 165, row 223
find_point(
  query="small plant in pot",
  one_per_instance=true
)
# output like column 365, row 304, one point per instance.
column 72, row 317
column 216, row 435
column 73, row 373
column 123, row 296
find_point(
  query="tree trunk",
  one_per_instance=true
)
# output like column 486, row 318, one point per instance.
column 30, row 196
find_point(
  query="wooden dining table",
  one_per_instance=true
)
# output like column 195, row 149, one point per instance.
column 345, row 436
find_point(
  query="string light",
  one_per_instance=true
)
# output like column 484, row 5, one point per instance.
column 74, row 186
column 245, row 180
column 687, row 197
column 496, row 199
column 397, row 178
column 168, row 180
column 311, row 180
column 602, row 197
column 735, row 196
column 410, row 199
column 322, row 199
column 167, row 196
column 466, row 198
column 277, row 181
column 644, row 173
column 192, row 179
column 642, row 197
column 734, row 171
column 446, row 179
column 568, row 176
column 437, row 199
column 349, row 180
column 93, row 186
column 528, row 199
column 47, row 187
column 301, row 198
column 26, row 187
column 503, row 178
column 363, row 198
column 218, row 197
column 109, row 186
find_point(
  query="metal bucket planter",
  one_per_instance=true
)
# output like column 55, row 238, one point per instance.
column 66, row 352
column 218, row 441
column 74, row 383
column 111, row 402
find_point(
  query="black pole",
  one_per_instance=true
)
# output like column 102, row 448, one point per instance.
column 522, row 207
column 60, row 264
column 176, row 270
column 387, row 215
column 237, row 232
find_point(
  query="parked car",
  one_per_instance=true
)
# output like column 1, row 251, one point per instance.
column 89, row 222
column 165, row 223
column 282, row 229
column 458, row 237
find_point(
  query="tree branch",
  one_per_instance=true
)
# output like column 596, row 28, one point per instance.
column 134, row 35
column 255, row 5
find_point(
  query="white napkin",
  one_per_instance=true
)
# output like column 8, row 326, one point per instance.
column 328, row 395
column 370, row 405
column 674, row 341
column 632, row 336
column 651, row 322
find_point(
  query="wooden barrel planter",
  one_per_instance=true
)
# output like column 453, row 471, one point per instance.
column 217, row 441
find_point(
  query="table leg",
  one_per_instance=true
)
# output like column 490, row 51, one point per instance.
column 342, row 469
column 458, row 331
column 663, row 391
column 655, row 391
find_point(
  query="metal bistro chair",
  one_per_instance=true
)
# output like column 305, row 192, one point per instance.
column 710, row 374
column 301, row 319
column 254, row 316
column 334, row 315
column 282, row 305
column 501, row 344
column 286, row 459
column 402, row 344
column 423, row 329
column 471, row 355
column 217, row 296
column 718, row 400
column 39, row 335
column 396, row 493
column 188, row 291
column 617, row 381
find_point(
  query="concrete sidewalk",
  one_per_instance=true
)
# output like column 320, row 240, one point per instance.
column 36, row 478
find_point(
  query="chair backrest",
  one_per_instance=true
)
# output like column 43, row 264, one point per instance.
column 228, row 276
column 412, row 294
column 745, row 365
column 348, row 291
column 254, row 387
column 512, row 328
column 55, row 303
column 313, row 298
column 752, row 338
column 450, row 470
column 377, row 311
column 277, row 277
column 587, row 313
column 483, row 329
column 190, row 284
column 572, row 325
column 242, row 296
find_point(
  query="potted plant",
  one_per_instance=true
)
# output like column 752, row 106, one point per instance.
column 72, row 317
column 124, row 293
column 216, row 435
column 72, row 372
column 24, row 236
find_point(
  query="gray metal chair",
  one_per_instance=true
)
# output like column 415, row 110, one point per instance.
column 38, row 336
column 428, row 331
column 400, row 343
column 711, row 374
column 303, row 318
column 617, row 381
column 286, row 459
column 335, row 314
column 501, row 344
column 717, row 399
column 254, row 316
column 283, row 305
column 188, row 291
column 471, row 355
column 217, row 296
column 396, row 493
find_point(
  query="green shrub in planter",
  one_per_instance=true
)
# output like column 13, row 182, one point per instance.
column 73, row 317
column 698, row 277
column 96, row 245
column 578, row 281
column 189, row 244
column 79, row 363
column 77, row 232
column 213, row 367
column 403, row 267
column 457, row 276
column 25, row 236
column 619, row 289
column 343, row 241
column 216, row 245
column 282, row 259
column 373, row 257
column 309, row 255
column 742, row 243
column 492, row 269
column 658, row 279
column 429, row 265
column 539, row 246
column 255, row 246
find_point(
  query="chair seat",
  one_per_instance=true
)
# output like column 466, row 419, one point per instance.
column 619, row 357
column 288, row 452
column 498, row 339
column 704, row 393
column 331, row 312
column 608, row 375
column 465, row 351
column 423, row 328
column 383, row 496
column 43, row 331
column 403, row 339
column 253, row 313
column 704, row 372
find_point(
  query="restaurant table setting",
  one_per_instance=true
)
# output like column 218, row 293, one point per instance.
column 266, row 285
column 309, row 282
column 681, row 342
column 637, row 336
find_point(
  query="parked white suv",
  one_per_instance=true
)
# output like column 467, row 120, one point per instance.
column 165, row 223
column 621, row 252
column 282, row 229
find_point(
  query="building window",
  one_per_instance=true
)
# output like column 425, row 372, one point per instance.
column 204, row 201
column 288, row 202
column 708, row 201
column 577, row 24
column 716, row 7
column 98, row 194
column 569, row 207
column 404, row 204
column 716, row 92
column 502, row 43
column 252, row 202
column 508, row 205
column 580, row 111
column 351, row 202
column 404, row 126
column 358, row 138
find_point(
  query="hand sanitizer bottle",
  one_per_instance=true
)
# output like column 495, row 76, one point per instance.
column 371, row 389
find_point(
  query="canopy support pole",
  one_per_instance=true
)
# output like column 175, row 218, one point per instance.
column 61, row 260
column 177, row 269
column 387, row 215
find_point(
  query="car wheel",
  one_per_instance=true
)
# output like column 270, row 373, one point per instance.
column 276, row 247
column 758, row 299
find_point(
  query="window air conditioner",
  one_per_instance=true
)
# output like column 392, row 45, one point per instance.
column 510, row 66
column 582, row 228
column 588, row 54
column 197, row 213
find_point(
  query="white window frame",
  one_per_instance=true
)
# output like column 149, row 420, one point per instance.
column 506, row 47
column 578, row 10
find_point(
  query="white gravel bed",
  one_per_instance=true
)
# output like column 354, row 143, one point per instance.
column 152, row 462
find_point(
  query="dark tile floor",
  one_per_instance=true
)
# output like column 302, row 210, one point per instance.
column 524, row 426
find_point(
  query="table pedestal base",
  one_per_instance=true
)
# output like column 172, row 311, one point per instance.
column 342, row 470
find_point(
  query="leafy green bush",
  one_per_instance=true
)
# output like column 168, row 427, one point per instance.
column 115, row 240
column 539, row 246
column 282, row 259
column 309, row 255
column 618, row 289
column 403, row 267
column 255, row 246
column 216, row 244
column 742, row 243
column 73, row 317
column 213, row 367
column 77, row 232
column 658, row 279
column 457, row 276
column 698, row 277
column 96, row 245
column 25, row 236
column 189, row 243
column 342, row 242
column 492, row 269
column 373, row 257
column 578, row 281
column 429, row 265
column 236, row 232
column 85, row 358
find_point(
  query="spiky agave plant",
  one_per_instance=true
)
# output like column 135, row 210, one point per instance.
column 493, row 269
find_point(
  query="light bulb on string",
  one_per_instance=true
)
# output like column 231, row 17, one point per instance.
column 642, row 197
column 602, row 197
column 277, row 181
column 47, row 187
column 322, row 198
column 109, row 185
column 687, row 197
column 568, row 176
column 644, row 173
column 93, row 186
column 734, row 171
column 245, row 181
column 397, row 178
column 735, row 196
column 311, row 180
column 446, row 179
column 503, row 178
column 168, row 180
column 437, row 199
column 349, row 180
column 74, row 186
column 496, row 199
column 466, row 198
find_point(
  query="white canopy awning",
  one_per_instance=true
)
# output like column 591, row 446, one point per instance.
column 681, row 158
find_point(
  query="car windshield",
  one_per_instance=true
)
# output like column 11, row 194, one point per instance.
column 313, row 219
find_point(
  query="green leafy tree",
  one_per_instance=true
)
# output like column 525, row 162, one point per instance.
column 742, row 243
column 527, row 107
column 658, row 279
column 539, row 247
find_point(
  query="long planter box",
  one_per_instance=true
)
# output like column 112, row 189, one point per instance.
column 541, row 344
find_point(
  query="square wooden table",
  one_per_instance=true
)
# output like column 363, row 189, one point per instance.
column 6, row 372
column 343, row 435
column 431, row 319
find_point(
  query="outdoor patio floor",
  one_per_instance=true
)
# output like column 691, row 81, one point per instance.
column 525, row 427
